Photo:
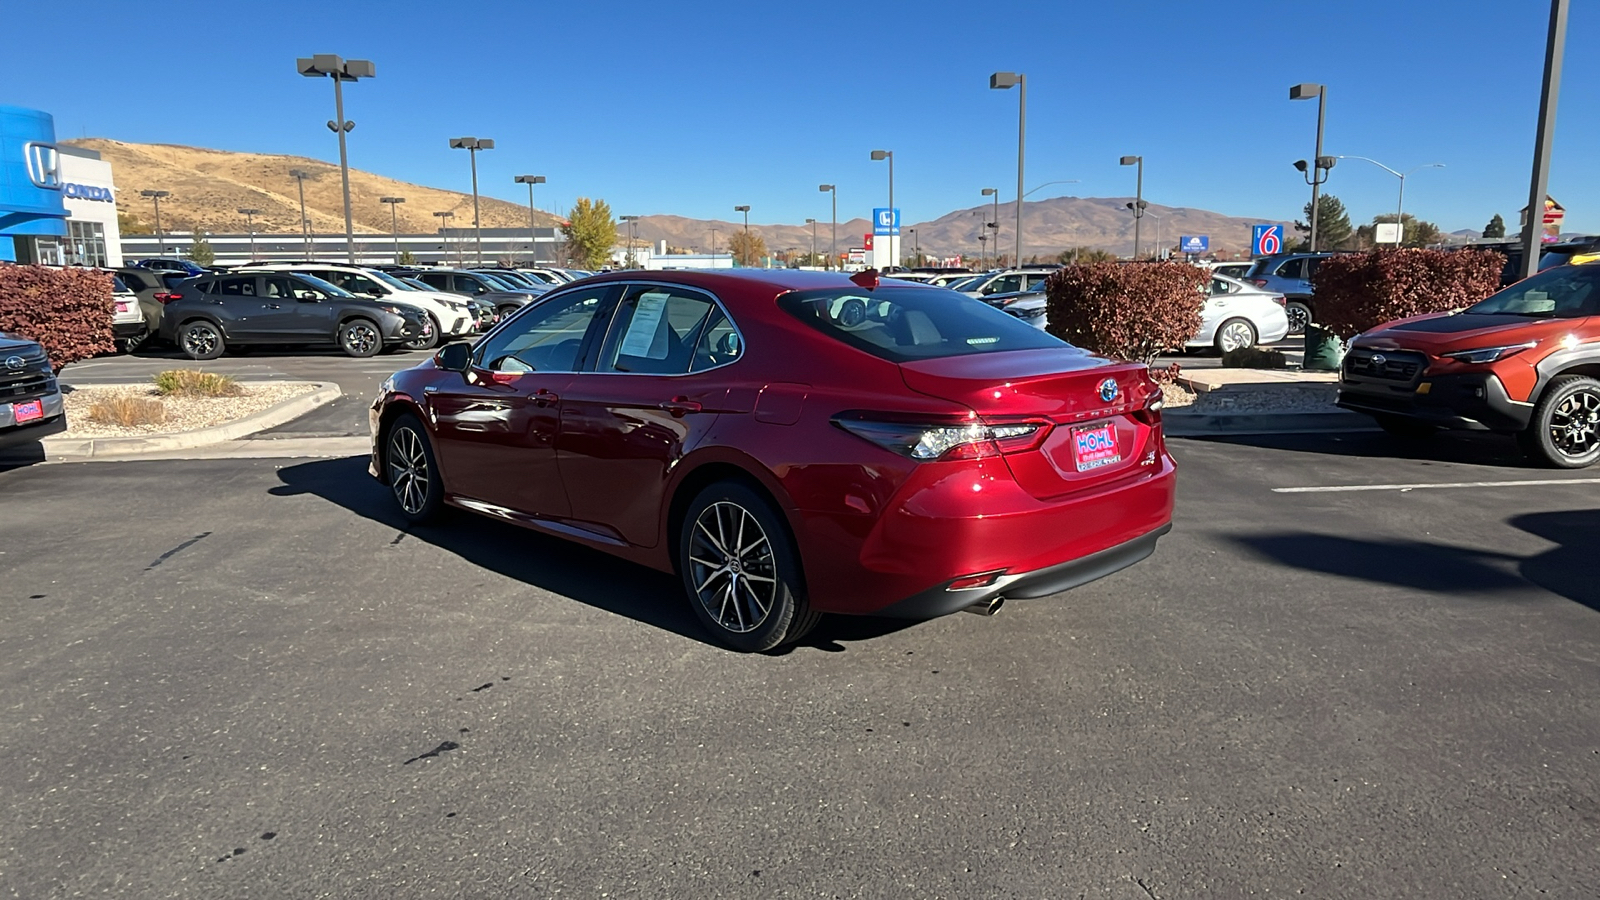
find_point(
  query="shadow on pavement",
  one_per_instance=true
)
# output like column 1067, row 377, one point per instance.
column 20, row 456
column 1469, row 447
column 1566, row 570
column 561, row 567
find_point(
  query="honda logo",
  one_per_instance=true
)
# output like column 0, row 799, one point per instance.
column 44, row 165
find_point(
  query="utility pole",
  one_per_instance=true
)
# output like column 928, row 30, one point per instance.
column 1555, row 49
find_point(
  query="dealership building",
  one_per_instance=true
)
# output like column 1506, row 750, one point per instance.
column 57, row 204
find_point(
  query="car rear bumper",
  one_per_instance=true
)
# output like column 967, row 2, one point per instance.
column 1476, row 402
column 128, row 329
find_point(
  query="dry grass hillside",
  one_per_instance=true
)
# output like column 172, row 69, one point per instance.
column 208, row 186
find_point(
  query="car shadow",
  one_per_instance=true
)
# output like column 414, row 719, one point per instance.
column 559, row 566
column 1566, row 570
column 1467, row 447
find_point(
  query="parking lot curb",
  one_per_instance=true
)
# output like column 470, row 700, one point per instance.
column 1210, row 424
column 63, row 449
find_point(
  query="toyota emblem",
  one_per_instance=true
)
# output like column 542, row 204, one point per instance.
column 1378, row 359
column 1108, row 390
column 15, row 362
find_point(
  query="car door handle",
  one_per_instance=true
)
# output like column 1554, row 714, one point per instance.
column 681, row 406
column 273, row 306
column 544, row 397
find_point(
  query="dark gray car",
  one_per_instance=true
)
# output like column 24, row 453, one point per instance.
column 30, row 400
column 476, row 284
column 214, row 311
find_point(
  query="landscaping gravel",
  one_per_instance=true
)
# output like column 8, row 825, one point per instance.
column 183, row 413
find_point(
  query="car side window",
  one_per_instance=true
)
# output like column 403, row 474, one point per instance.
column 655, row 331
column 237, row 287
column 277, row 287
column 1294, row 268
column 719, row 344
column 1312, row 265
column 437, row 280
column 1004, row 285
column 545, row 338
column 1036, row 280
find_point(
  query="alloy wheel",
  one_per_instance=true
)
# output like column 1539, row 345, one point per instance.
column 1299, row 318
column 733, row 571
column 1236, row 335
column 199, row 340
column 360, row 338
column 408, row 470
column 1575, row 424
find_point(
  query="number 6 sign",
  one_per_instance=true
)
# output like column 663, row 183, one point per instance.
column 1266, row 240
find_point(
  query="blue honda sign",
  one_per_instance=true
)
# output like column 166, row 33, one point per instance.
column 1196, row 243
column 886, row 221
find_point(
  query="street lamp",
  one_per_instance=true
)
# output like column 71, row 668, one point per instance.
column 1138, row 204
column 713, row 248
column 155, row 197
column 833, row 246
column 1399, row 208
column 300, row 176
column 995, row 193
column 893, row 219
column 1161, row 245
column 746, row 210
column 1555, row 51
column 472, row 145
column 630, row 220
column 250, row 225
column 394, row 221
column 1318, row 170
column 1000, row 81
column 813, row 224
column 916, row 246
column 533, row 232
column 340, row 70
column 444, row 220
column 982, row 251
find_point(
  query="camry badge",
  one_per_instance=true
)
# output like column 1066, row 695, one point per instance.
column 1108, row 390
column 14, row 362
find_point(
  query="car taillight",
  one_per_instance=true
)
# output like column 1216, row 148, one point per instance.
column 1259, row 282
column 1280, row 299
column 927, row 442
column 164, row 297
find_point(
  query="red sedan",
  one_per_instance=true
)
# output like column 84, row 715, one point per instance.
column 791, row 443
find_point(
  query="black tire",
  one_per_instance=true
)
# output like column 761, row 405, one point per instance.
column 772, row 609
column 199, row 339
column 412, row 470
column 425, row 341
column 506, row 311
column 360, row 338
column 1565, row 431
column 1299, row 313
column 1407, row 429
column 1230, row 332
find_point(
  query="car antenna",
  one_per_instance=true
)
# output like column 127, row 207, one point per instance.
column 867, row 278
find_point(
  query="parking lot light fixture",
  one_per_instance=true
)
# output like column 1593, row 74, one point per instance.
column 881, row 155
column 1555, row 51
column 155, row 197
column 813, row 224
column 746, row 211
column 394, row 221
column 444, row 218
column 833, row 244
column 300, row 176
column 713, row 248
column 472, row 145
column 1400, row 207
column 1000, row 81
column 1138, row 198
column 250, row 214
column 533, row 231
column 630, row 220
column 1316, row 173
column 340, row 70
column 993, row 223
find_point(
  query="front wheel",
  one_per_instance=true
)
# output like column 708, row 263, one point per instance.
column 412, row 469
column 741, row 571
column 201, row 340
column 429, row 337
column 1565, row 431
column 1299, row 313
column 360, row 338
column 1235, row 334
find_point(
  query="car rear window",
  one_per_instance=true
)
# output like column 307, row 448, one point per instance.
column 904, row 324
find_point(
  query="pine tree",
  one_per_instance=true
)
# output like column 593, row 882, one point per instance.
column 200, row 252
column 1496, row 227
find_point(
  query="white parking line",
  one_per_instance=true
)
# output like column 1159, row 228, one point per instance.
column 1345, row 488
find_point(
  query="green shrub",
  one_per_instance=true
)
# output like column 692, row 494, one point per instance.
column 1133, row 312
column 1254, row 358
column 66, row 310
column 194, row 383
column 1359, row 291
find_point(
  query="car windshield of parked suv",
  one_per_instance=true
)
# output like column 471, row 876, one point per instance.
column 903, row 324
column 966, row 283
column 390, row 280
column 1568, row 292
column 495, row 283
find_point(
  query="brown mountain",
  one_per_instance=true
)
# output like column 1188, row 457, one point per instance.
column 208, row 186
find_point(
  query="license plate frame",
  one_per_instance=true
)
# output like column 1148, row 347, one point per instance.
column 1096, row 453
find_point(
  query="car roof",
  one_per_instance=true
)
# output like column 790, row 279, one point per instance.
column 778, row 280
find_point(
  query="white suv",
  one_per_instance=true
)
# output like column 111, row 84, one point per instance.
column 452, row 318
column 1014, row 281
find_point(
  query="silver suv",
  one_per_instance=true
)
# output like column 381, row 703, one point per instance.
column 1011, row 281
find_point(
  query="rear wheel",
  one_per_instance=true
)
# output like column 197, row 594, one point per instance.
column 1299, row 313
column 741, row 571
column 412, row 470
column 1565, row 431
column 360, row 338
column 1235, row 334
column 200, row 339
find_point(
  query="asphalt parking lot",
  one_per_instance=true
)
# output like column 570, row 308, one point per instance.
column 245, row 678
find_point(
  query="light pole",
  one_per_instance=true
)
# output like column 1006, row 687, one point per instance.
column 533, row 231
column 472, row 145
column 155, row 197
column 916, row 246
column 444, row 220
column 394, row 221
column 1555, row 50
column 1000, row 81
column 340, row 70
column 300, row 176
column 746, row 210
column 813, row 224
column 1319, row 164
column 995, row 193
column 630, row 220
column 713, row 248
column 893, row 219
column 250, row 225
column 1161, row 245
column 983, row 254
column 833, row 245
column 1399, row 209
column 1138, row 203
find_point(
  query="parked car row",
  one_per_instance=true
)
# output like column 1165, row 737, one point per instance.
column 1235, row 315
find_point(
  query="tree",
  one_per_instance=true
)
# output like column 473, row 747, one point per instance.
column 747, row 248
column 590, row 233
column 1414, row 232
column 200, row 252
column 128, row 223
column 405, row 258
column 1333, row 224
column 1083, row 255
column 1496, row 227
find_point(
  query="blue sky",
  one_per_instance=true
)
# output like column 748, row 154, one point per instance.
column 689, row 108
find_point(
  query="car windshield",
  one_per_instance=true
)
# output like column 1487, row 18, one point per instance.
column 118, row 285
column 965, row 283
column 903, row 324
column 496, row 283
column 1567, row 292
column 323, row 286
column 417, row 285
column 390, row 280
column 515, row 279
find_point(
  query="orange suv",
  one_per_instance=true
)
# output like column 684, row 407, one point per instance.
column 1526, row 361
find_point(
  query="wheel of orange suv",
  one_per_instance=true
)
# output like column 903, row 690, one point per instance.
column 1565, row 431
column 741, row 571
column 413, row 473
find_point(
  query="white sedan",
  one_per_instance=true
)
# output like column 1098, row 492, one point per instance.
column 1235, row 315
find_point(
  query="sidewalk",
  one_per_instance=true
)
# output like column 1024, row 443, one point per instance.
column 1260, row 401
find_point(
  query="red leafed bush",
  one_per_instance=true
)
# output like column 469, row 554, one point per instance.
column 66, row 310
column 1358, row 291
column 1132, row 312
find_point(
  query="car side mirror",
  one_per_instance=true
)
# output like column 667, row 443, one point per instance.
column 456, row 357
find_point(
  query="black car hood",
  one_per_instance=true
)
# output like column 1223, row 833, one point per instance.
column 12, row 343
column 1459, row 323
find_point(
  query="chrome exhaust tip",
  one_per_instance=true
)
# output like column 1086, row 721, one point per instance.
column 986, row 607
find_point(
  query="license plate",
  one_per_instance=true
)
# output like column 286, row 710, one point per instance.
column 122, row 307
column 1094, row 446
column 27, row 412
